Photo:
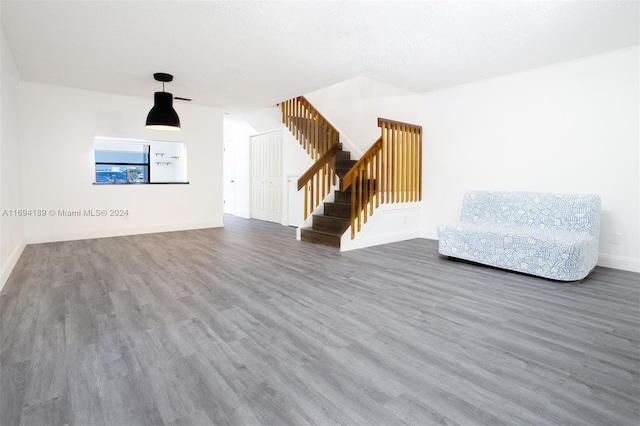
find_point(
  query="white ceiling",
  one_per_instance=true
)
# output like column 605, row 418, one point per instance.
column 247, row 55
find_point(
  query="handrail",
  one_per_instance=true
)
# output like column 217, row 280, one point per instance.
column 317, row 166
column 382, row 121
column 389, row 172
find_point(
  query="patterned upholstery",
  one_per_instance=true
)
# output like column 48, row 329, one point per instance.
column 554, row 236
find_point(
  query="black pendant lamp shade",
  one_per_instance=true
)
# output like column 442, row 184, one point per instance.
column 162, row 116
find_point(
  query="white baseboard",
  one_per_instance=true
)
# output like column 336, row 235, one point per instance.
column 619, row 262
column 429, row 235
column 243, row 214
column 384, row 239
column 10, row 263
column 85, row 235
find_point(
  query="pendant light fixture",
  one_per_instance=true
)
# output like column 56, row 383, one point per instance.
column 162, row 116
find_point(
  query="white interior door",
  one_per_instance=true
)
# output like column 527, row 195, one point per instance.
column 229, row 178
column 266, row 176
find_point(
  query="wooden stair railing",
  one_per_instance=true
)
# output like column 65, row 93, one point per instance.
column 315, row 133
column 389, row 172
column 320, row 139
column 364, row 178
column 318, row 180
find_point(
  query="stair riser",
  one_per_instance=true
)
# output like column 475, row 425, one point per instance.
column 343, row 156
column 346, row 165
column 316, row 238
column 337, row 210
column 330, row 224
column 343, row 197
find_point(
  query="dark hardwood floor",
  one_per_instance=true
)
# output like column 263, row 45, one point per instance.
column 244, row 325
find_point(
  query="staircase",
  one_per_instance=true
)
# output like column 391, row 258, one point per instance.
column 327, row 228
column 389, row 172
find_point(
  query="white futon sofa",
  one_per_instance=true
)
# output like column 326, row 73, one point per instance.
column 555, row 236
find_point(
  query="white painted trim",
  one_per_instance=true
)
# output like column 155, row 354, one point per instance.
column 11, row 262
column 619, row 262
column 54, row 237
column 392, row 237
column 286, row 205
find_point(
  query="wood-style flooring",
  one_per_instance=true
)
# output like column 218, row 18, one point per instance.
column 244, row 325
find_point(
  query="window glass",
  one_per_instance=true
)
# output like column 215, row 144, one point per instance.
column 114, row 173
column 117, row 162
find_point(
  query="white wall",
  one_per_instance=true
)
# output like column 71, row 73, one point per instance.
column 12, row 240
column 353, row 108
column 57, row 128
column 263, row 120
column 570, row 127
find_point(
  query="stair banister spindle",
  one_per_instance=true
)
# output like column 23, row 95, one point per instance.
column 306, row 199
column 309, row 130
column 394, row 167
column 353, row 212
column 389, row 163
column 405, row 181
column 371, row 183
column 412, row 153
column 377, row 159
column 407, row 163
column 359, row 197
column 296, row 114
column 416, row 190
column 414, row 145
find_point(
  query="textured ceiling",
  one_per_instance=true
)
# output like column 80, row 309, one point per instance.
column 246, row 55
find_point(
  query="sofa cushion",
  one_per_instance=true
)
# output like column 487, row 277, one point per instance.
column 552, row 254
column 557, row 212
